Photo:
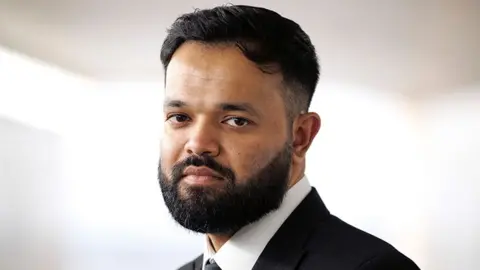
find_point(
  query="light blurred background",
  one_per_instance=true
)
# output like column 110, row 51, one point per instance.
column 81, row 89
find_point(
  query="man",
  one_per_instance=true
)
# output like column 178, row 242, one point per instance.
column 238, row 85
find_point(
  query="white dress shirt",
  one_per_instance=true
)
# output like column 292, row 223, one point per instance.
column 243, row 249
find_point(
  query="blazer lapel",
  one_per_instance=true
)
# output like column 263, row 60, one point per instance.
column 198, row 263
column 194, row 265
column 286, row 248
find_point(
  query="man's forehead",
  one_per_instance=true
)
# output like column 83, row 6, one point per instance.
column 186, row 87
column 197, row 61
column 201, row 96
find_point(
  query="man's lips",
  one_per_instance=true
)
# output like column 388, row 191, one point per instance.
column 200, row 171
column 200, row 175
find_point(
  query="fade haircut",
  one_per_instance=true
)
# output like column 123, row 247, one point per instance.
column 274, row 43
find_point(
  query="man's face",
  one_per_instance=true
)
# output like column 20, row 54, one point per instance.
column 226, row 148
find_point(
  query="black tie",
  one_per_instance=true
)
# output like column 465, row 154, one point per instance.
column 212, row 266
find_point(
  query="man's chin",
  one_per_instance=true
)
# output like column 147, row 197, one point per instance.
column 187, row 190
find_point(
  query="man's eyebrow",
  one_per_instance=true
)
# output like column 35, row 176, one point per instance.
column 174, row 103
column 224, row 106
column 242, row 107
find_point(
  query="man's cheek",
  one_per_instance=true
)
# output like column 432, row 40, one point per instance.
column 246, row 168
column 169, row 148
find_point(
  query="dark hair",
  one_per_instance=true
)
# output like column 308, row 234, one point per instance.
column 274, row 43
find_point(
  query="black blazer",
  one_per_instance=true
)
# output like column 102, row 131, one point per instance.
column 311, row 238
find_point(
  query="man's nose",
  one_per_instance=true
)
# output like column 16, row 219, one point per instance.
column 203, row 140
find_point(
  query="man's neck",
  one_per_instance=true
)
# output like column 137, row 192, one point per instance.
column 218, row 240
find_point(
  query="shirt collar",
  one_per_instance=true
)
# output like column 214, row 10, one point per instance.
column 243, row 249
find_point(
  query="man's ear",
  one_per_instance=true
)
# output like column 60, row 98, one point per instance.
column 305, row 128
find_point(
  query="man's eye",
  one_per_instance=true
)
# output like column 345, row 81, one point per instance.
column 237, row 122
column 178, row 118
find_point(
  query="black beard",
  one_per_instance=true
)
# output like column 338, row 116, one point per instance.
column 225, row 210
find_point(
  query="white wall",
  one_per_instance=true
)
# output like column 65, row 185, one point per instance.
column 33, row 101
column 31, row 186
column 451, row 140
column 41, row 95
column 401, row 169
column 365, row 165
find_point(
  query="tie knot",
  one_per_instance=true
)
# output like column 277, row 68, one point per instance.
column 212, row 265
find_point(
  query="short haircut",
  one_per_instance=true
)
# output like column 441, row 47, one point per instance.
column 274, row 43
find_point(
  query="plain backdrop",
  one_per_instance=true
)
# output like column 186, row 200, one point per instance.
column 78, row 164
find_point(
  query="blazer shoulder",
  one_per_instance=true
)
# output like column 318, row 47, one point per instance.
column 338, row 244
column 392, row 260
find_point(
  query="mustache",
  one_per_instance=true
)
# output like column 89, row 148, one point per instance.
column 199, row 161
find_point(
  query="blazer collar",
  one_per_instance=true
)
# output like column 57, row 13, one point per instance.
column 286, row 248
